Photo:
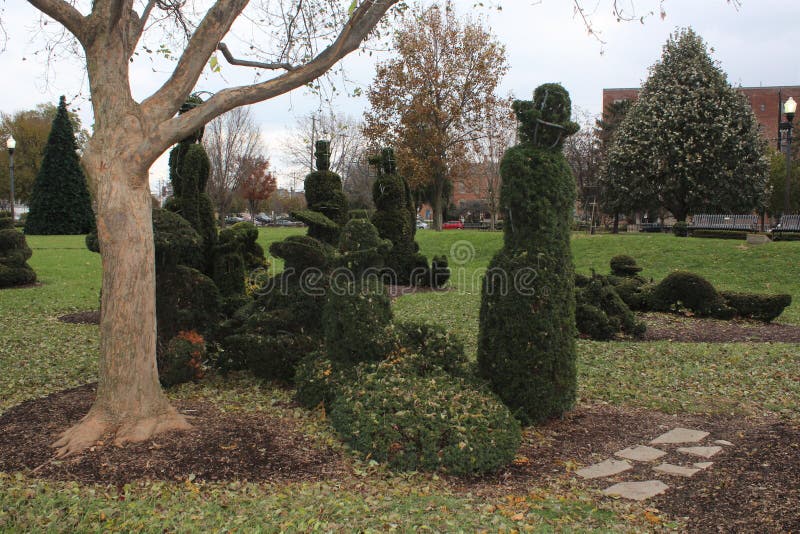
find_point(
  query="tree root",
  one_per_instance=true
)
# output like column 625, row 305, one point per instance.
column 91, row 428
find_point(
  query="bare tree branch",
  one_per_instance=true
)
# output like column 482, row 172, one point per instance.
column 222, row 47
column 361, row 23
column 64, row 13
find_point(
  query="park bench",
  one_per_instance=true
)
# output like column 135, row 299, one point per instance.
column 740, row 223
column 787, row 224
column 652, row 227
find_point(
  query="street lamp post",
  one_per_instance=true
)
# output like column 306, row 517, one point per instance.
column 11, row 144
column 789, row 108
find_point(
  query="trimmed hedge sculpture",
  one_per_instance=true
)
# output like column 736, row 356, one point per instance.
column 14, row 255
column 327, row 205
column 526, row 343
column 396, row 220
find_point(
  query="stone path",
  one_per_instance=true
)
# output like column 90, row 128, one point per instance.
column 681, row 463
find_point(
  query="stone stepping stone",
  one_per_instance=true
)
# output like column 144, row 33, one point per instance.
column 703, row 452
column 703, row 465
column 640, row 453
column 637, row 491
column 677, row 470
column 607, row 468
column 680, row 435
column 723, row 442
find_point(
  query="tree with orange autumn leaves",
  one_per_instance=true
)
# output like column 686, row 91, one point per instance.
column 258, row 184
column 429, row 102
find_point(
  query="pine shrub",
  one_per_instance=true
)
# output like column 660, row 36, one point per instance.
column 271, row 357
column 526, row 345
column 434, row 347
column 433, row 423
column 60, row 202
column 323, row 191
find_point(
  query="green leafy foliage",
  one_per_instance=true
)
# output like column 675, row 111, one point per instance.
column 690, row 143
column 237, row 254
column 14, row 256
column 682, row 290
column 601, row 313
column 756, row 306
column 60, row 201
column 435, row 422
column 355, row 319
column 272, row 356
column 680, row 229
column 318, row 381
column 182, row 360
column 624, row 265
column 433, row 347
column 324, row 195
column 526, row 343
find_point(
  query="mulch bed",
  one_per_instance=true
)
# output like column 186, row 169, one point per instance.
column 241, row 446
column 752, row 486
column 672, row 327
column 84, row 317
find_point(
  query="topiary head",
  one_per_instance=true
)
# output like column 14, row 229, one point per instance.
column 545, row 121
column 624, row 265
column 192, row 102
column 302, row 252
column 322, row 152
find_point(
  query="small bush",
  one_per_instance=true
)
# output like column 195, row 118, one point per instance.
column 759, row 307
column 634, row 292
column 682, row 290
column 183, row 359
column 318, row 381
column 680, row 229
column 14, row 255
column 271, row 357
column 429, row 423
column 593, row 323
column 355, row 318
column 624, row 266
column 440, row 272
column 435, row 347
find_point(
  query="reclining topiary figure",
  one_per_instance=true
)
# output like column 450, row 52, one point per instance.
column 396, row 220
column 14, row 255
column 526, row 345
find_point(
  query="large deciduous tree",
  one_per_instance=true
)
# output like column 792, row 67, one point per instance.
column 232, row 141
column 258, row 184
column 690, row 142
column 129, row 135
column 429, row 101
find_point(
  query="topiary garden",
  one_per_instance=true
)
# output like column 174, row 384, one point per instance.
column 14, row 255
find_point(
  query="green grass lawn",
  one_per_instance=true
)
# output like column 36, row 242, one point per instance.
column 40, row 355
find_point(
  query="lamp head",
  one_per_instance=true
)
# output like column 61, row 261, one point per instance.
column 789, row 108
column 11, row 144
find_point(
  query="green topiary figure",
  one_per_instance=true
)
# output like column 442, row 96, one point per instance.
column 358, row 311
column 324, row 195
column 526, row 345
column 396, row 220
column 189, row 169
column 60, row 201
column 14, row 256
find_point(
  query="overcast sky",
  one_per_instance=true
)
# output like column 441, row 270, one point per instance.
column 756, row 45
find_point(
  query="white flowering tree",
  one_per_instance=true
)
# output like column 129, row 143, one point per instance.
column 690, row 143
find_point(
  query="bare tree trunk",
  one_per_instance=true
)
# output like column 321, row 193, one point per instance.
column 130, row 402
column 616, row 224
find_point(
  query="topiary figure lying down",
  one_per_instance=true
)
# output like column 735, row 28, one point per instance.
column 601, row 314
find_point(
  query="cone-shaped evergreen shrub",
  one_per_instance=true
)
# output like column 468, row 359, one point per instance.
column 526, row 345
column 14, row 256
column 60, row 201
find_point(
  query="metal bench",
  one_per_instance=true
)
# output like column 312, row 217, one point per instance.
column 741, row 223
column 788, row 223
column 653, row 227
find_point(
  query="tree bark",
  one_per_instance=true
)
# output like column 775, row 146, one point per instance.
column 130, row 402
column 616, row 224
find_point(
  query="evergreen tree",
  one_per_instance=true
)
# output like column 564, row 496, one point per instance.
column 60, row 201
column 690, row 143
column 526, row 342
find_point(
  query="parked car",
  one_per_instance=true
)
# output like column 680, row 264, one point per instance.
column 233, row 219
column 263, row 218
column 287, row 223
column 421, row 225
column 453, row 225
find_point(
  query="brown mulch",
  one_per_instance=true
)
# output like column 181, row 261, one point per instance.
column 240, row 446
column 751, row 487
column 84, row 317
column 672, row 327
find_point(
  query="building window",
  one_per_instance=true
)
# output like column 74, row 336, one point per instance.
column 763, row 107
column 462, row 188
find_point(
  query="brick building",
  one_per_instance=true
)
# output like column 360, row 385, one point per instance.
column 767, row 104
